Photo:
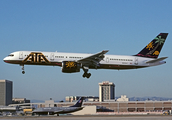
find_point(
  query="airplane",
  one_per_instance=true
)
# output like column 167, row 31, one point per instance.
column 73, row 62
column 59, row 110
column 5, row 110
column 9, row 108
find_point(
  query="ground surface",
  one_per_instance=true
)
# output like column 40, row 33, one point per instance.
column 87, row 117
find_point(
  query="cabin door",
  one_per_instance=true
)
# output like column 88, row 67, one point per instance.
column 20, row 55
column 107, row 59
column 52, row 56
column 136, row 60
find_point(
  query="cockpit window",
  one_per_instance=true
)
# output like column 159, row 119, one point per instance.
column 11, row 55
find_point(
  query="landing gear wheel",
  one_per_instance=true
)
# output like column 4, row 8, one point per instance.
column 84, row 75
column 87, row 75
column 22, row 68
column 23, row 72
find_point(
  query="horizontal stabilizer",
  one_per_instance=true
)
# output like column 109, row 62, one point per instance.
column 156, row 60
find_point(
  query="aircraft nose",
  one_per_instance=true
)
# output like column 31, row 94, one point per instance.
column 5, row 59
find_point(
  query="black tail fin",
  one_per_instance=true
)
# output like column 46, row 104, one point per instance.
column 153, row 49
column 79, row 102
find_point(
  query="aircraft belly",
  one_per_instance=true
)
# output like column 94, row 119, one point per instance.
column 43, row 63
column 110, row 66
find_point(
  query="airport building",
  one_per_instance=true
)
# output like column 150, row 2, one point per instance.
column 128, row 106
column 6, row 92
column 20, row 100
column 123, row 98
column 106, row 91
column 116, row 106
column 71, row 98
column 87, row 98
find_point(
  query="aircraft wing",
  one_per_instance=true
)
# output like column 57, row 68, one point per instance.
column 93, row 59
column 156, row 60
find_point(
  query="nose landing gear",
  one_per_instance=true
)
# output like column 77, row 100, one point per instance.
column 23, row 72
column 22, row 69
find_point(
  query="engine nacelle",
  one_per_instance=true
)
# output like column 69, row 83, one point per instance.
column 70, row 66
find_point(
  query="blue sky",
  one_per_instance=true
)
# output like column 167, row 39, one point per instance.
column 123, row 27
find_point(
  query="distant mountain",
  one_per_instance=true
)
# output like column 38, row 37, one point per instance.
column 37, row 101
column 149, row 98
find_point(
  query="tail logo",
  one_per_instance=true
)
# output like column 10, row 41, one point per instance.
column 159, row 40
column 80, row 101
column 150, row 46
column 156, row 53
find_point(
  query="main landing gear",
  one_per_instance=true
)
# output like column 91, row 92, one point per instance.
column 22, row 69
column 86, row 74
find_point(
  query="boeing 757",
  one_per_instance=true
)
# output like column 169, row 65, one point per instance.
column 73, row 62
column 59, row 110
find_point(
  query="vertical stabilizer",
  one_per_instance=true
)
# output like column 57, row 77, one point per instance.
column 79, row 102
column 153, row 49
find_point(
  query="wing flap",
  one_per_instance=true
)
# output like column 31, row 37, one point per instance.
column 156, row 60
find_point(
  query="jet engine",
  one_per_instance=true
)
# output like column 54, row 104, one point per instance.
column 70, row 66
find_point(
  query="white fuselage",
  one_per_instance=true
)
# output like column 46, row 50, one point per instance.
column 56, row 59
